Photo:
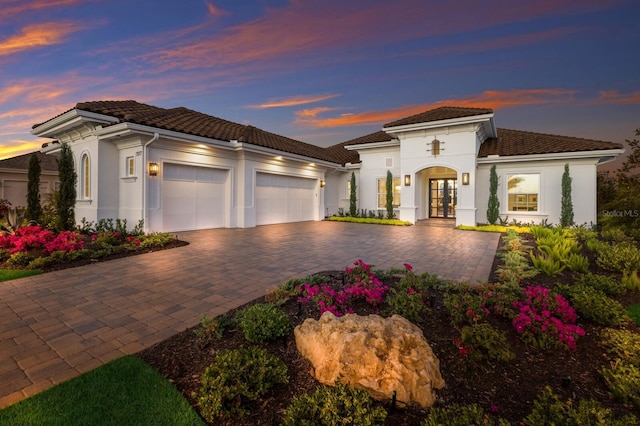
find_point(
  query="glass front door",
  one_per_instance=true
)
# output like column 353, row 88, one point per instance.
column 443, row 197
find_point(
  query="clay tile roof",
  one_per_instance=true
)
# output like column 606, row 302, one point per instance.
column 48, row 162
column 196, row 123
column 347, row 156
column 518, row 142
column 441, row 113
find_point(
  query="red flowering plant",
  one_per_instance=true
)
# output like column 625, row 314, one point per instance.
column 360, row 283
column 546, row 319
column 36, row 238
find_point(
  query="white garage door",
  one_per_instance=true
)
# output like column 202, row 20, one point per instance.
column 193, row 197
column 282, row 199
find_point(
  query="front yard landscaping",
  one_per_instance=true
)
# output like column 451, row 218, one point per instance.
column 553, row 339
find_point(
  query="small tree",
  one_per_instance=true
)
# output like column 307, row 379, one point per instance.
column 493, row 207
column 566, row 205
column 389, row 203
column 352, row 196
column 67, row 195
column 34, row 209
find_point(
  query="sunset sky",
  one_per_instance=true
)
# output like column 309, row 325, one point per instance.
column 325, row 71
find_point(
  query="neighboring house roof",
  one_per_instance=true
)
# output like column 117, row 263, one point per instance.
column 349, row 156
column 48, row 163
column 191, row 122
column 519, row 142
column 441, row 113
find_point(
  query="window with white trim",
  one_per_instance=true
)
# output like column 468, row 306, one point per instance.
column 130, row 164
column 86, row 177
column 523, row 190
column 382, row 192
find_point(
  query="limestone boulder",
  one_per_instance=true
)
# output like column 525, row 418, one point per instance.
column 379, row 355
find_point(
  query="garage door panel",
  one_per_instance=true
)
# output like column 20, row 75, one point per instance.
column 193, row 197
column 282, row 199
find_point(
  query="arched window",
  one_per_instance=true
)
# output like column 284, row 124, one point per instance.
column 85, row 177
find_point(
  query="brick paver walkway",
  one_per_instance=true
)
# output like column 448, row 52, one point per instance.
column 57, row 325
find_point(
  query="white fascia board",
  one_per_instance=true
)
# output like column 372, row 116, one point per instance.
column 372, row 145
column 574, row 155
column 248, row 147
column 440, row 123
column 123, row 129
column 69, row 120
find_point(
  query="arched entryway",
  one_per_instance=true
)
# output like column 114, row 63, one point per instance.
column 438, row 196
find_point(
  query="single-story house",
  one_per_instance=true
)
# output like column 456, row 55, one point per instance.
column 14, row 177
column 178, row 169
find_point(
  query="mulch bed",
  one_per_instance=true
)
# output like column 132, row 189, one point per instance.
column 511, row 387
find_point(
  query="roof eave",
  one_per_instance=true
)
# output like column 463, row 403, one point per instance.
column 372, row 145
column 70, row 120
column 572, row 155
column 440, row 123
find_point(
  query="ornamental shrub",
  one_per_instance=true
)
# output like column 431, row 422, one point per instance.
column 263, row 322
column 566, row 205
column 353, row 202
column 338, row 405
column 604, row 283
column 461, row 415
column 493, row 205
column 623, row 380
column 623, row 344
column 34, row 208
column 237, row 378
column 66, row 199
column 549, row 410
column 621, row 257
column 480, row 342
column 593, row 304
column 546, row 319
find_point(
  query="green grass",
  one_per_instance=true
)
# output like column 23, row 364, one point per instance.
column 369, row 220
column 126, row 391
column 12, row 274
column 634, row 313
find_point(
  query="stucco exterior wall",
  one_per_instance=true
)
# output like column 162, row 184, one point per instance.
column 374, row 165
column 583, row 173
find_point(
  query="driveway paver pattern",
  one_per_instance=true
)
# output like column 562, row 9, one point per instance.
column 58, row 325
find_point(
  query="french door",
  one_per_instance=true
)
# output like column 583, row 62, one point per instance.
column 443, row 197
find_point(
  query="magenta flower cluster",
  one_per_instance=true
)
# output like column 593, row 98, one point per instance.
column 360, row 283
column 37, row 238
column 544, row 314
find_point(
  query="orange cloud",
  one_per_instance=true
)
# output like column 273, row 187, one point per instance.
column 17, row 7
column 293, row 101
column 20, row 147
column 614, row 97
column 39, row 35
column 213, row 9
column 489, row 99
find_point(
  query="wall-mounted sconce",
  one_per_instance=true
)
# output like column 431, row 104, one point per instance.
column 407, row 180
column 322, row 183
column 465, row 178
column 154, row 168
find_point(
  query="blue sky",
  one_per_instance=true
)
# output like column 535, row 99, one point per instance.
column 325, row 71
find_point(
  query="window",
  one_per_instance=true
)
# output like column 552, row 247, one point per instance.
column 382, row 192
column 131, row 166
column 86, row 181
column 348, row 189
column 522, row 192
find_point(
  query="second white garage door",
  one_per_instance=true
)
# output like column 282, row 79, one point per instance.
column 283, row 199
column 193, row 197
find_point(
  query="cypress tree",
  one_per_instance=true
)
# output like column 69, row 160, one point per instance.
column 566, row 205
column 352, row 196
column 34, row 209
column 389, row 186
column 493, row 207
column 67, row 195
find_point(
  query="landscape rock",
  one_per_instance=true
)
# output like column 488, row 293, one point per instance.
column 378, row 355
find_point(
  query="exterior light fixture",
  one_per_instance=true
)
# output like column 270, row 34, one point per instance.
column 322, row 183
column 407, row 180
column 465, row 178
column 154, row 168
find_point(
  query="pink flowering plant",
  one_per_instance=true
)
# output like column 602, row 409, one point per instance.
column 36, row 238
column 410, row 297
column 360, row 283
column 546, row 319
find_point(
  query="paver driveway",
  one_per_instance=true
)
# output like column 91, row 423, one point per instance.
column 56, row 325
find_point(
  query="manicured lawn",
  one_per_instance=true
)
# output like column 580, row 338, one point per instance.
column 12, row 274
column 126, row 391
